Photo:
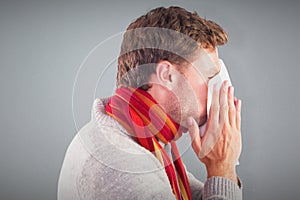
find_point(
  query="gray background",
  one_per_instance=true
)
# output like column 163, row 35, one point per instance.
column 43, row 44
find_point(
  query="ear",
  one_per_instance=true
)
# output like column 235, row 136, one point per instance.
column 166, row 74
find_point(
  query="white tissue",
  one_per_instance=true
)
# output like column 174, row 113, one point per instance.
column 218, row 79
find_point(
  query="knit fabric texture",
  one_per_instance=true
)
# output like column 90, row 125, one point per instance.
column 104, row 162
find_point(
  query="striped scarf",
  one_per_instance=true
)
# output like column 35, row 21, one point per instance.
column 146, row 122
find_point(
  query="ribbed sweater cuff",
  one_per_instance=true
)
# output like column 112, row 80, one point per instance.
column 221, row 188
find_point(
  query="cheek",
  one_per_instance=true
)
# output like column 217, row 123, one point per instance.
column 200, row 91
column 202, row 96
column 195, row 92
column 204, row 92
column 199, row 86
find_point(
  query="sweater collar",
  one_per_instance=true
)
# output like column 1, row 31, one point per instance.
column 102, row 118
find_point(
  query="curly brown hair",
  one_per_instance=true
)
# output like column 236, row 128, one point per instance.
column 171, row 34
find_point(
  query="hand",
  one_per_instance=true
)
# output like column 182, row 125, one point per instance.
column 221, row 145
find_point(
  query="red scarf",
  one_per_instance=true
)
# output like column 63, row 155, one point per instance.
column 146, row 122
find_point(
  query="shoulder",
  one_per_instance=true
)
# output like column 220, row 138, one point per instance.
column 98, row 181
column 119, row 168
column 102, row 161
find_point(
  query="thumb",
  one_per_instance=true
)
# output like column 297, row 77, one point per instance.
column 195, row 135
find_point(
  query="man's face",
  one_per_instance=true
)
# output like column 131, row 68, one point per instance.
column 191, row 90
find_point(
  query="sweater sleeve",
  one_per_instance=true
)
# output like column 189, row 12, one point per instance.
column 218, row 188
column 215, row 188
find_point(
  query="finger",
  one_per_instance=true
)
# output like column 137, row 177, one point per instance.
column 213, row 119
column 238, row 107
column 223, row 103
column 195, row 135
column 231, row 106
column 236, row 102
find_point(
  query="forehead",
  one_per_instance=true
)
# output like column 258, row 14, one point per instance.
column 206, row 62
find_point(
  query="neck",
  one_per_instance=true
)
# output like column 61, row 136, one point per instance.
column 162, row 96
column 159, row 94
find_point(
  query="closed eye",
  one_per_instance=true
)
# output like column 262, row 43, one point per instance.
column 210, row 77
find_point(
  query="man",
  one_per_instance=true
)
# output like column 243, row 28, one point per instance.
column 128, row 149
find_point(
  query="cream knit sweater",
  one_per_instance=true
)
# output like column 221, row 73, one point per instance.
column 103, row 162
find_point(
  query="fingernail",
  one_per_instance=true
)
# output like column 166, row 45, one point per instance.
column 231, row 90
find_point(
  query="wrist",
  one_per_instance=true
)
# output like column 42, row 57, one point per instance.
column 222, row 170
